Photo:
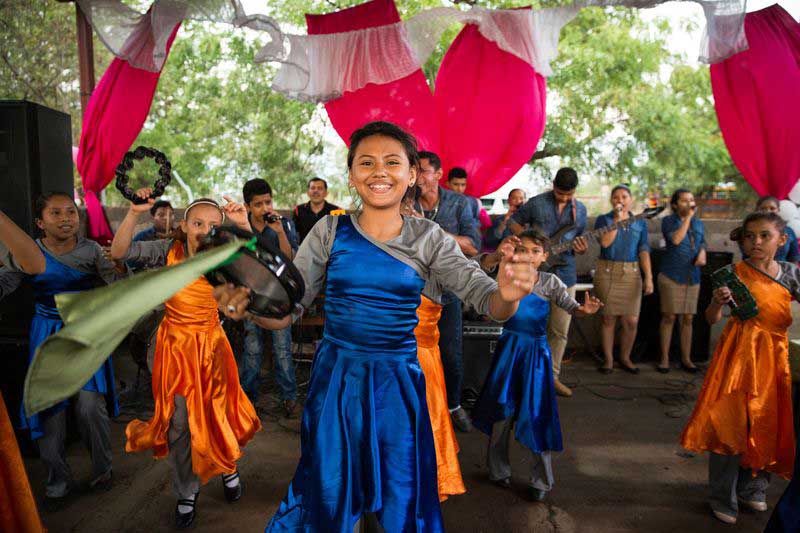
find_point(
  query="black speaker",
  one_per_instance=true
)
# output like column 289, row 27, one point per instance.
column 479, row 343
column 35, row 157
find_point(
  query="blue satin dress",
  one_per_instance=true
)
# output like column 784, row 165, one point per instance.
column 58, row 278
column 366, row 439
column 520, row 382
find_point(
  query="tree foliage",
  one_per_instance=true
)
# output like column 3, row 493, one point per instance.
column 621, row 106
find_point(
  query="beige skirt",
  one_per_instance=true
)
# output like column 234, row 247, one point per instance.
column 619, row 286
column 676, row 298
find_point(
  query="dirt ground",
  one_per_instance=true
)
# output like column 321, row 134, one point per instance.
column 622, row 471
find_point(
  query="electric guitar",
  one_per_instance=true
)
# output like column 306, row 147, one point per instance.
column 554, row 259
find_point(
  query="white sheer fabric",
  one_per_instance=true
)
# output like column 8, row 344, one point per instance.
column 322, row 67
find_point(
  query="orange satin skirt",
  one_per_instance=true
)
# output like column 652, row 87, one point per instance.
column 193, row 359
column 745, row 405
column 18, row 511
column 427, row 332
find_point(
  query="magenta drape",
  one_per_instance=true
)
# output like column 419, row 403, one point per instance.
column 491, row 109
column 487, row 114
column 407, row 102
column 757, row 98
column 114, row 117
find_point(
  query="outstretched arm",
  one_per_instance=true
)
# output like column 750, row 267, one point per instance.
column 27, row 254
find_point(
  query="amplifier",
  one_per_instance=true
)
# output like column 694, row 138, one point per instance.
column 479, row 342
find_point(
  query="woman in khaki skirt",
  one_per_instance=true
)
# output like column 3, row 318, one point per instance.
column 618, row 280
column 679, row 279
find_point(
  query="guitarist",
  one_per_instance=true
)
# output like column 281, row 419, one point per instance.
column 549, row 212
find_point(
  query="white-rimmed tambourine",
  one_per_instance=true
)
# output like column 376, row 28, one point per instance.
column 141, row 152
column 276, row 286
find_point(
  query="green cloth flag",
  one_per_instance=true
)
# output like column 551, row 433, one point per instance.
column 97, row 321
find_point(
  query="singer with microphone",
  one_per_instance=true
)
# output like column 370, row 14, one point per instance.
column 624, row 251
column 679, row 279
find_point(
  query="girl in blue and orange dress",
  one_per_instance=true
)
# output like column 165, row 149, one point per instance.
column 743, row 415
column 366, row 440
column 66, row 263
column 520, row 390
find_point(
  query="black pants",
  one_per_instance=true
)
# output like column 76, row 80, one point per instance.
column 451, row 347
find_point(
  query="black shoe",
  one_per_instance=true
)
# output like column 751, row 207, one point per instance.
column 461, row 420
column 689, row 369
column 504, row 483
column 103, row 483
column 53, row 505
column 663, row 369
column 630, row 369
column 604, row 370
column 232, row 494
column 184, row 520
column 536, row 495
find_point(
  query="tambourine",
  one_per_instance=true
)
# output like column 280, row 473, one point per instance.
column 164, row 173
column 275, row 284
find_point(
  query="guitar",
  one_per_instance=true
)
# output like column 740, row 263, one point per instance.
column 554, row 259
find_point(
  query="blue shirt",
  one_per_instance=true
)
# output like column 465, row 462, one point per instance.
column 494, row 236
column 272, row 236
column 454, row 215
column 541, row 212
column 628, row 243
column 788, row 252
column 148, row 234
column 678, row 260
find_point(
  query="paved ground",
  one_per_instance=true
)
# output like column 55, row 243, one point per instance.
column 622, row 471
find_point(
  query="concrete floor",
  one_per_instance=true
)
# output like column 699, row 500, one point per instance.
column 622, row 471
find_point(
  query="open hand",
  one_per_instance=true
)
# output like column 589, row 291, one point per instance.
column 515, row 277
column 591, row 305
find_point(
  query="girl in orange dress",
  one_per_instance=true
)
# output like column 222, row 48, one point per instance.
column 202, row 417
column 743, row 415
column 448, row 471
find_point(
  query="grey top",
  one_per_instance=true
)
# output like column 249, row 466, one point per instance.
column 790, row 278
column 149, row 254
column 87, row 256
column 551, row 288
column 422, row 245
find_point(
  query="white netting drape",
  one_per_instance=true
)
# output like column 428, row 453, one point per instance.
column 322, row 67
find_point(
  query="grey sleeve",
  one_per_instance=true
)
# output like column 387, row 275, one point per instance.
column 150, row 253
column 790, row 278
column 105, row 267
column 455, row 273
column 312, row 258
column 552, row 288
column 10, row 279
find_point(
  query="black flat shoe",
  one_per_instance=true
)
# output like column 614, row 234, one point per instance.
column 504, row 483
column 630, row 369
column 604, row 370
column 663, row 369
column 536, row 495
column 184, row 520
column 232, row 494
column 689, row 369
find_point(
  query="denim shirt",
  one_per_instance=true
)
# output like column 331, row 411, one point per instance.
column 541, row 212
column 678, row 260
column 628, row 243
column 272, row 236
column 148, row 234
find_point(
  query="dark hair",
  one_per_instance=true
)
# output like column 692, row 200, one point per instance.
column 456, row 173
column 178, row 234
column 535, row 235
column 773, row 218
column 386, row 129
column 566, row 179
column 312, row 180
column 621, row 187
column 434, row 159
column 255, row 187
column 158, row 205
column 675, row 197
column 43, row 199
column 512, row 191
column 764, row 199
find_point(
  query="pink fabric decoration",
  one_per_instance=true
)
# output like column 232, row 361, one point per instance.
column 485, row 219
column 114, row 117
column 491, row 108
column 757, row 98
column 407, row 102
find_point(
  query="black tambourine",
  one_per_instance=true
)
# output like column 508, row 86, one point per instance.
column 164, row 173
column 276, row 286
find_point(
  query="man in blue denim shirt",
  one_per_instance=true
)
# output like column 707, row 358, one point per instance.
column 281, row 234
column 551, row 211
column 453, row 214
